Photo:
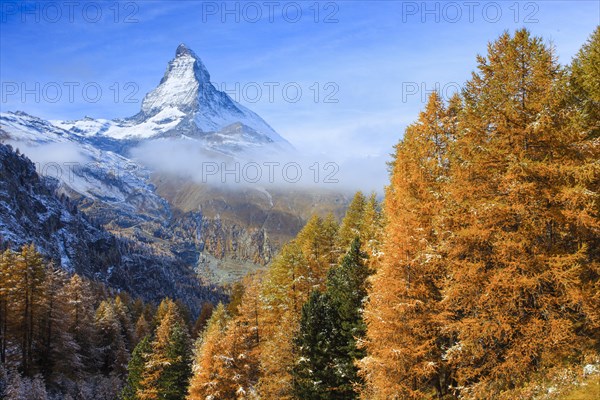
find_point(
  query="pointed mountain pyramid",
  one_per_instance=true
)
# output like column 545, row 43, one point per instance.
column 186, row 103
column 180, row 88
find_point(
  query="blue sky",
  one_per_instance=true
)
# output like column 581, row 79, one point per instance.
column 375, row 58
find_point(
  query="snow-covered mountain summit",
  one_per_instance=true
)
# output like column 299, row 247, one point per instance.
column 186, row 104
column 181, row 86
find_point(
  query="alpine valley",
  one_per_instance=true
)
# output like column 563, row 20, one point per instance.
column 125, row 207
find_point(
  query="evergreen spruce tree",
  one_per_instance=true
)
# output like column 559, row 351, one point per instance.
column 330, row 327
column 135, row 368
column 347, row 286
column 318, row 342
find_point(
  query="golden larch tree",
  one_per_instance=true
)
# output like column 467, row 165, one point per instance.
column 404, row 340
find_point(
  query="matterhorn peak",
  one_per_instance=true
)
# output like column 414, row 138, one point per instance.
column 185, row 77
column 186, row 103
column 183, row 50
column 200, row 71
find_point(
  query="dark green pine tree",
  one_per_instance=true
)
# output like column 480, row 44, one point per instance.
column 314, row 373
column 330, row 326
column 347, row 288
column 135, row 368
column 176, row 377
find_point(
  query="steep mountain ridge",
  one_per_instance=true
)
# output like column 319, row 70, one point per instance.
column 31, row 212
column 119, row 195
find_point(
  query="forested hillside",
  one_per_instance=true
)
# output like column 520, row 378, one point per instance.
column 31, row 211
column 479, row 280
column 66, row 337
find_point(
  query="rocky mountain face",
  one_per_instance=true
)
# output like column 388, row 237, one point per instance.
column 32, row 212
column 187, row 93
column 221, row 231
column 242, row 229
